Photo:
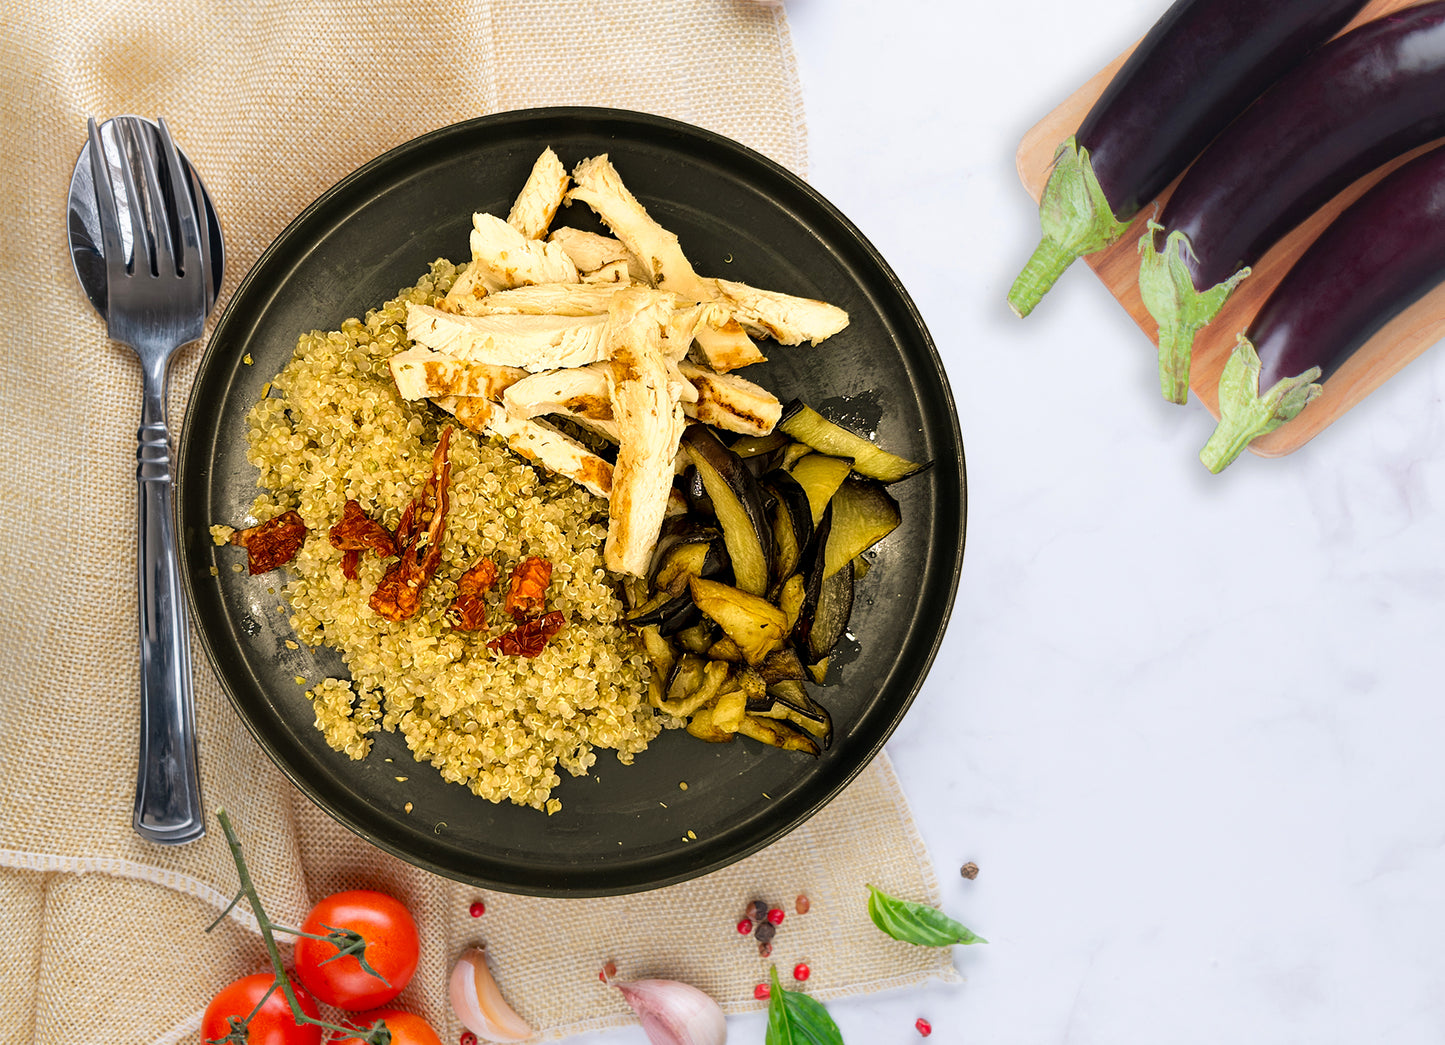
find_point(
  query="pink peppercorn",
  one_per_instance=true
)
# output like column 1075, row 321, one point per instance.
column 765, row 949
column 776, row 916
column 608, row 971
column 745, row 926
column 468, row 1038
column 801, row 904
column 762, row 991
column 477, row 909
column 801, row 971
column 924, row 1027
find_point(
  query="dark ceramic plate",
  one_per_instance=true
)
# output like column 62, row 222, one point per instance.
column 738, row 215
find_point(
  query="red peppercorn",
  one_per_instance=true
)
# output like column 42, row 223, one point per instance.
column 801, row 971
column 477, row 909
column 765, row 949
column 745, row 926
column 608, row 971
column 762, row 991
column 801, row 904
column 468, row 1038
column 776, row 916
column 924, row 1027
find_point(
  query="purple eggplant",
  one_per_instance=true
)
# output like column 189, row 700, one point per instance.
column 1359, row 101
column 1200, row 65
column 1381, row 254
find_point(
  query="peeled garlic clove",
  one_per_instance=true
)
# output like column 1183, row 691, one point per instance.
column 480, row 1005
column 674, row 1013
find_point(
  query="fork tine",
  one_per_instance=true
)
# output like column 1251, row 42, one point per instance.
column 187, row 206
column 105, row 207
column 141, row 249
column 157, row 214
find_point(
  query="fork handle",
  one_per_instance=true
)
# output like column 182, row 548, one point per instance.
column 167, row 788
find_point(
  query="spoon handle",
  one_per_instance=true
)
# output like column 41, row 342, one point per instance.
column 167, row 788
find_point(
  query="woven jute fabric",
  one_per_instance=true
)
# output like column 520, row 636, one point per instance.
column 274, row 101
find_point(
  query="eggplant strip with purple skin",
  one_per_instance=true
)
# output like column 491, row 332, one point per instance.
column 1359, row 101
column 1382, row 254
column 1200, row 65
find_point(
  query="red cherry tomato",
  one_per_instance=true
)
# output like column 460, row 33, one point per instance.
column 390, row 948
column 272, row 1024
column 406, row 1028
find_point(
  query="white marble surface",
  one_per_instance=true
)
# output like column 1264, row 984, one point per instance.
column 1188, row 726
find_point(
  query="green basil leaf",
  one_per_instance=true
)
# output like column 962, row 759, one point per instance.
column 915, row 922
column 796, row 1019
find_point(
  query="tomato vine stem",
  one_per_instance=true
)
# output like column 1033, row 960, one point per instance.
column 376, row 1034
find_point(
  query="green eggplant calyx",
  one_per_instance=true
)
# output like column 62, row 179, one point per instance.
column 1168, row 292
column 1076, row 219
column 1245, row 414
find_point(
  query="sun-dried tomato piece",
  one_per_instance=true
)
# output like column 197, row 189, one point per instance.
column 468, row 610
column 272, row 543
column 398, row 596
column 528, row 638
column 356, row 533
column 527, row 596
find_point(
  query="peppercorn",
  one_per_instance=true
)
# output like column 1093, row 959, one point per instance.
column 745, row 926
column 477, row 909
column 762, row 991
column 776, row 916
column 801, row 971
column 923, row 1027
column 801, row 904
column 766, row 931
column 757, row 910
column 765, row 949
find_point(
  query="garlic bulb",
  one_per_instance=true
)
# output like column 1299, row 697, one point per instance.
column 480, row 1005
column 675, row 1013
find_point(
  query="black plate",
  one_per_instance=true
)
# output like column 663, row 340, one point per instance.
column 739, row 215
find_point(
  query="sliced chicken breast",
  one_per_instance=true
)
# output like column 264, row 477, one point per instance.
column 536, row 205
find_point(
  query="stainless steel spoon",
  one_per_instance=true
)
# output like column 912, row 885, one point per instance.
column 146, row 246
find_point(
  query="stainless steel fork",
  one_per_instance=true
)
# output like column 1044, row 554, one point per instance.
column 156, row 302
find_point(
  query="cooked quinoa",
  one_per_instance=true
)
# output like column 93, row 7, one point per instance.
column 332, row 427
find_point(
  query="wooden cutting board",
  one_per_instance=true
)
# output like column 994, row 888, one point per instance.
column 1404, row 338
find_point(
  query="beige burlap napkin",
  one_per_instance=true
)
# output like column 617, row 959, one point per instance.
column 274, row 101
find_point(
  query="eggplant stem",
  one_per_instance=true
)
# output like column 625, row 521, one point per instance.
column 1048, row 262
column 1245, row 414
column 1076, row 219
column 1166, row 287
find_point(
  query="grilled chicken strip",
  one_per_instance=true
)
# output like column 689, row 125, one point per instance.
column 533, row 342
column 537, row 441
column 593, row 254
column 650, row 422
column 421, row 373
column 725, row 347
column 502, row 257
column 536, row 205
column 788, row 319
column 551, row 299
column 731, row 403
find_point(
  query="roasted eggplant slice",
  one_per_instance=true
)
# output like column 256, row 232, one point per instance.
column 701, row 726
column 830, row 614
column 863, row 514
column 779, row 733
column 756, row 625
column 820, row 475
column 761, row 452
column 788, row 699
column 808, row 426
column 699, row 504
column 740, row 506
column 792, row 519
